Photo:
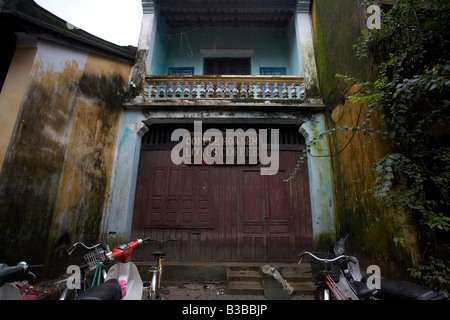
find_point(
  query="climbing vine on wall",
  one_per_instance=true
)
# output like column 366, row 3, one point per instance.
column 410, row 90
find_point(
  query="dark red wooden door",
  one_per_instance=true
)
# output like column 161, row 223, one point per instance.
column 222, row 212
column 267, row 217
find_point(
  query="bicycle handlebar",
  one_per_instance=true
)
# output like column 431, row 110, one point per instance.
column 72, row 248
column 162, row 241
column 326, row 260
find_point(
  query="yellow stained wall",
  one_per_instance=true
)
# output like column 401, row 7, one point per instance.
column 90, row 153
column 372, row 226
column 57, row 165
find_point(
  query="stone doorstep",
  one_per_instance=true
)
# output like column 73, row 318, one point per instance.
column 247, row 282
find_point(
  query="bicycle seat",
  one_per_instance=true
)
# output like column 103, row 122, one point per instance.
column 158, row 253
column 109, row 290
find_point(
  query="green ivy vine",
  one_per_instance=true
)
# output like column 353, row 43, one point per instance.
column 410, row 90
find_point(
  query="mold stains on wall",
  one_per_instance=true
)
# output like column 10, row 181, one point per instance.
column 56, row 174
column 32, row 167
column 90, row 153
column 106, row 89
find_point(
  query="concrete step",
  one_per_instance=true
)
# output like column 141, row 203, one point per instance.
column 245, row 288
column 240, row 278
column 248, row 280
column 243, row 276
column 244, row 281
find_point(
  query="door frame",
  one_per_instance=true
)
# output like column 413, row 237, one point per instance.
column 134, row 124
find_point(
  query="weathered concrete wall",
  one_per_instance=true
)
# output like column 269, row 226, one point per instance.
column 321, row 184
column 372, row 226
column 55, row 176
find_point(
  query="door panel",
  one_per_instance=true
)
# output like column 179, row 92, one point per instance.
column 267, row 216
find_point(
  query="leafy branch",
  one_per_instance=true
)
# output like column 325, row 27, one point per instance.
column 410, row 92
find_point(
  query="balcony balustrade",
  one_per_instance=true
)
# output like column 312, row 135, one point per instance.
column 247, row 88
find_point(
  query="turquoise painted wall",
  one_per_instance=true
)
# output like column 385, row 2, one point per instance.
column 180, row 47
column 160, row 49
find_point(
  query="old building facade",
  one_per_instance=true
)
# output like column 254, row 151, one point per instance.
column 87, row 134
column 227, row 65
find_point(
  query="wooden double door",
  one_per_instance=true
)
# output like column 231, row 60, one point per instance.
column 223, row 212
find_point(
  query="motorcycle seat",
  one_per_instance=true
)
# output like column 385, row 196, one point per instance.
column 363, row 292
column 109, row 290
column 405, row 290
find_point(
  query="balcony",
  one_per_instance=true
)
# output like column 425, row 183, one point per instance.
column 223, row 90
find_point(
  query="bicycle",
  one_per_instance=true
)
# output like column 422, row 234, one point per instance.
column 326, row 274
column 91, row 261
column 155, row 285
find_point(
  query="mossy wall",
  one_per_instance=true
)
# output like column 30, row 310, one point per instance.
column 372, row 226
column 55, row 178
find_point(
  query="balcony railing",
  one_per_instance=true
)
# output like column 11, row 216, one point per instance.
column 225, row 87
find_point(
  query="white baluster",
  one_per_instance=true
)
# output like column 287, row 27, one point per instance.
column 226, row 91
column 170, row 90
column 162, row 90
column 242, row 91
column 276, row 91
column 235, row 90
column 259, row 91
column 153, row 92
column 251, row 91
column 210, row 90
column 186, row 90
column 284, row 91
column 293, row 91
column 194, row 90
column 202, row 90
column 178, row 90
column 267, row 91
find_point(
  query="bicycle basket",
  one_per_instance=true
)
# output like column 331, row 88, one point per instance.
column 319, row 267
column 93, row 257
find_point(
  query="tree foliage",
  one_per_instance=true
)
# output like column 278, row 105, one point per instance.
column 410, row 90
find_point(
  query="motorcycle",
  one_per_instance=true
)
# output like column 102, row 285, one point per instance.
column 10, row 274
column 339, row 277
column 122, row 281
